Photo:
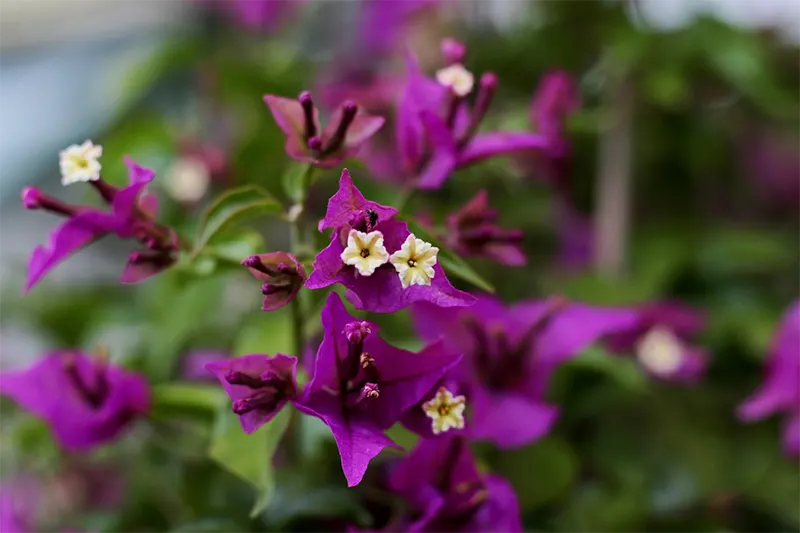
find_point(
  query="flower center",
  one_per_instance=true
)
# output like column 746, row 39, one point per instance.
column 500, row 362
column 414, row 262
column 92, row 391
column 365, row 253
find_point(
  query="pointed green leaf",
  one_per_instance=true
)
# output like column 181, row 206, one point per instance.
column 234, row 207
column 249, row 457
column 450, row 261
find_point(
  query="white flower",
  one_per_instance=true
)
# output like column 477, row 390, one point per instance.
column 459, row 79
column 187, row 179
column 365, row 251
column 660, row 352
column 445, row 411
column 414, row 262
column 80, row 163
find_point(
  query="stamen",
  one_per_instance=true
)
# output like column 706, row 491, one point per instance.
column 349, row 111
column 370, row 391
column 366, row 360
column 309, row 127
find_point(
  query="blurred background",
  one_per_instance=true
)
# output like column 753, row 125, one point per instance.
column 684, row 184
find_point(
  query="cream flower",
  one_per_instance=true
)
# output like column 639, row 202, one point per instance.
column 459, row 79
column 187, row 179
column 80, row 163
column 445, row 411
column 414, row 262
column 365, row 251
column 660, row 352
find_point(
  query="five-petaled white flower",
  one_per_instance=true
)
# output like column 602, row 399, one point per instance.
column 660, row 352
column 80, row 163
column 459, row 79
column 414, row 262
column 365, row 251
column 445, row 411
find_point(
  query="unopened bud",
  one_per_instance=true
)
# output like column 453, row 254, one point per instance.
column 31, row 198
column 453, row 51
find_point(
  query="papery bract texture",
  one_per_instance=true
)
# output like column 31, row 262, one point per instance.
column 382, row 291
column 780, row 391
column 259, row 386
column 510, row 354
column 362, row 385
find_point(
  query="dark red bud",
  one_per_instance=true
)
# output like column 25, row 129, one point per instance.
column 309, row 125
column 234, row 377
column 271, row 288
column 314, row 144
column 349, row 110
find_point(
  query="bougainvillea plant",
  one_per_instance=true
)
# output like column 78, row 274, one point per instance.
column 369, row 335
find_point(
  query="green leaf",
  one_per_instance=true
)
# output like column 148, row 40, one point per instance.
column 166, row 60
column 207, row 525
column 189, row 310
column 737, row 251
column 265, row 333
column 540, row 472
column 296, row 180
column 451, row 263
column 232, row 247
column 179, row 396
column 248, row 457
column 624, row 370
column 231, row 208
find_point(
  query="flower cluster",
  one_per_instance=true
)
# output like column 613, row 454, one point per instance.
column 131, row 216
column 482, row 371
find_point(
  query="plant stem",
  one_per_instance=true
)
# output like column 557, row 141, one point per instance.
column 297, row 243
column 612, row 209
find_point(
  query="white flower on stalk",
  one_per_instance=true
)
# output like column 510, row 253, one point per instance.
column 457, row 78
column 80, row 163
column 660, row 352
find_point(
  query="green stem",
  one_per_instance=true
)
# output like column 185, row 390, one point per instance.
column 297, row 243
column 406, row 194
